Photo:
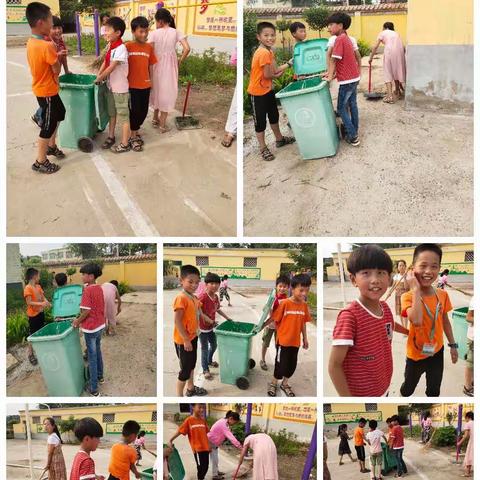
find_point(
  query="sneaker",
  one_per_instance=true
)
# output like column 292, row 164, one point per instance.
column 95, row 393
column 101, row 381
column 355, row 142
column 213, row 364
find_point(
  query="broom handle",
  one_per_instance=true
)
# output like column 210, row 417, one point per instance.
column 395, row 285
column 459, row 290
column 369, row 78
column 186, row 99
column 236, row 472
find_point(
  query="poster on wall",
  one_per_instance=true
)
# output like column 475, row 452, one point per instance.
column 16, row 14
column 234, row 272
column 218, row 20
column 294, row 412
column 351, row 417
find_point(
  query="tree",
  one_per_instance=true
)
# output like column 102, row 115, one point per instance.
column 316, row 17
column 69, row 7
column 70, row 272
column 250, row 41
column 85, row 250
column 305, row 257
column 282, row 27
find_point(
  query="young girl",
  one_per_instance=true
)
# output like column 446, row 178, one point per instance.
column 344, row 447
column 468, row 435
column 56, row 463
column 224, row 290
column 139, row 444
column 401, row 288
column 426, row 428
column 443, row 280
column 165, row 72
column 113, row 305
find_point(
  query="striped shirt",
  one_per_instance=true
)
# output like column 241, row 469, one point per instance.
column 346, row 64
column 83, row 467
column 368, row 364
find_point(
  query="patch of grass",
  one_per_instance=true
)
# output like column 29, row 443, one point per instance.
column 312, row 303
column 364, row 48
column 88, row 44
column 124, row 287
column 286, row 442
column 17, row 327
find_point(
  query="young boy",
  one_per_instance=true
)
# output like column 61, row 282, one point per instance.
column 427, row 310
column 298, row 31
column 262, row 96
column 123, row 456
column 210, row 307
column 196, row 428
column 115, row 69
column 359, row 442
column 361, row 362
column 397, row 444
column 282, row 284
column 92, row 322
column 45, row 65
column 61, row 279
column 374, row 439
column 88, row 432
column 343, row 61
column 141, row 58
column 468, row 387
column 291, row 319
column 36, row 304
column 331, row 44
column 187, row 311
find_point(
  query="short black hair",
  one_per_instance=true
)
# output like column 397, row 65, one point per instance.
column 36, row 11
column 362, row 420
column 61, row 279
column 92, row 269
column 234, row 415
column 263, row 25
column 367, row 257
column 225, row 277
column 87, row 427
column 212, row 278
column 427, row 247
column 300, row 280
column 295, row 26
column 340, row 17
column 141, row 433
column 30, row 273
column 117, row 24
column 388, row 26
column 373, row 424
column 187, row 270
column 469, row 415
column 139, row 22
column 57, row 21
column 285, row 279
column 130, row 427
column 307, row 278
column 388, row 420
column 114, row 282
column 395, row 418
column 104, row 15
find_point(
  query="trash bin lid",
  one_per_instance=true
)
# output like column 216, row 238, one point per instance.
column 66, row 301
column 77, row 81
column 310, row 56
column 266, row 311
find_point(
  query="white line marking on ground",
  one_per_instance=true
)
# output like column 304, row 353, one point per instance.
column 411, row 466
column 19, row 94
column 196, row 209
column 103, row 220
column 136, row 218
column 15, row 64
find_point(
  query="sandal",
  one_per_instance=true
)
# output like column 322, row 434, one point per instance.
column 139, row 139
column 263, row 365
column 272, row 389
column 45, row 167
column 213, row 364
column 228, row 140
column 388, row 100
column 267, row 155
column 287, row 389
column 120, row 148
column 208, row 375
column 155, row 123
column 55, row 151
column 196, row 392
column 164, row 129
column 33, row 359
column 108, row 143
column 136, row 144
column 284, row 141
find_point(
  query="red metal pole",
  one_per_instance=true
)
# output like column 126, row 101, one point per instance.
column 186, row 99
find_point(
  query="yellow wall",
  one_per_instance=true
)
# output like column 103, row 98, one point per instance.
column 440, row 410
column 351, row 412
column 16, row 13
column 440, row 22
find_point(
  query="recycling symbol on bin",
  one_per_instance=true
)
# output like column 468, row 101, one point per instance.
column 51, row 362
column 305, row 117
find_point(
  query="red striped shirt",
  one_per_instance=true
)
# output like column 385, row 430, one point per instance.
column 83, row 467
column 346, row 65
column 368, row 364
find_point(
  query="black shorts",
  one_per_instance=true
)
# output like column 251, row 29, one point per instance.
column 285, row 362
column 53, row 112
column 360, row 453
column 36, row 323
column 264, row 106
column 188, row 360
column 139, row 102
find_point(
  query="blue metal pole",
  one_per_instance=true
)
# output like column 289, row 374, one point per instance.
column 79, row 34
column 96, row 32
column 248, row 423
column 312, row 452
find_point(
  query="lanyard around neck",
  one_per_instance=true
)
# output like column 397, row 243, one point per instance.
column 38, row 37
column 434, row 318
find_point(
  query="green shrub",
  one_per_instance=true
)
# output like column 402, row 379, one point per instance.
column 250, row 41
column 46, row 278
column 210, row 67
column 283, row 55
column 312, row 303
column 286, row 442
column 416, row 431
column 88, row 44
column 285, row 80
column 15, row 298
column 247, row 105
column 364, row 48
column 66, row 425
column 17, row 327
column 169, row 284
column 124, row 287
column 444, row 437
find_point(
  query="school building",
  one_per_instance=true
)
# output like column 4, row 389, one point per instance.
column 111, row 417
column 15, row 15
column 458, row 258
column 443, row 414
column 298, row 418
column 237, row 263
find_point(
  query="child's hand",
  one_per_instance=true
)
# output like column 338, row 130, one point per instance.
column 76, row 323
column 137, row 475
column 187, row 345
column 412, row 281
column 305, row 344
column 454, row 355
column 62, row 53
column 98, row 80
column 119, row 309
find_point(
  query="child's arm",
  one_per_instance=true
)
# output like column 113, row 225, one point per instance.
column 304, row 334
column 207, row 319
column 102, row 76
column 330, row 75
column 170, row 442
column 29, row 302
column 134, row 470
column 181, row 330
column 81, row 318
column 335, row 369
column 358, row 57
column 119, row 301
column 64, row 63
column 398, row 327
column 185, row 51
column 102, row 68
column 268, row 322
column 469, row 317
column 222, row 314
column 447, row 328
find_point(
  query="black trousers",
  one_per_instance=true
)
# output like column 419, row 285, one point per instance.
column 433, row 369
column 139, row 101
column 201, row 459
column 285, row 362
column 264, row 106
column 187, row 360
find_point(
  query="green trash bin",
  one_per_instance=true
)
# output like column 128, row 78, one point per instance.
column 308, row 103
column 57, row 347
column 66, row 302
column 86, row 111
column 460, row 327
column 389, row 462
column 147, row 474
column 176, row 470
column 234, row 340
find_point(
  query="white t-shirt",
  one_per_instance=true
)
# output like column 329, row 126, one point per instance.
column 331, row 42
column 118, row 79
column 470, row 334
column 375, row 439
column 53, row 439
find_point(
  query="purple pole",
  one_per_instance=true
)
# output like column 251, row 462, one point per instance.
column 190, row 406
column 312, row 452
column 410, row 423
column 79, row 34
column 248, row 423
column 459, row 429
column 96, row 32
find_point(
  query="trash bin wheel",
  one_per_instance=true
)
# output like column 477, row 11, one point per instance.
column 251, row 363
column 242, row 383
column 85, row 144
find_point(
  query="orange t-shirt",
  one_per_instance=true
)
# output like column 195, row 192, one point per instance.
column 289, row 318
column 196, row 429
column 418, row 336
column 37, row 296
column 140, row 57
column 122, row 457
column 259, row 85
column 191, row 312
column 358, row 437
column 41, row 55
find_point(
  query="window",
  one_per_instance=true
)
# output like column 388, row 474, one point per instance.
column 36, row 420
column 327, row 408
column 154, row 416
column 14, row 2
column 201, row 261
column 469, row 256
column 250, row 262
column 108, row 417
column 371, row 407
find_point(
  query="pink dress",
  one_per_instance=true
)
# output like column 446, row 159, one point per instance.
column 468, row 461
column 394, row 63
column 264, row 456
column 163, row 95
column 109, row 296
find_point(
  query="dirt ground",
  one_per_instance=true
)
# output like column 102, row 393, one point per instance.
column 17, row 454
column 129, row 357
column 422, row 464
column 412, row 175
column 245, row 310
column 182, row 184
column 452, row 384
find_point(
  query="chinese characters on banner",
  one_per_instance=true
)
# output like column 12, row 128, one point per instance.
column 296, row 412
column 216, row 20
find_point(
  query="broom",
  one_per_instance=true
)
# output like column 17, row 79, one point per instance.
column 429, row 443
column 468, row 294
column 397, row 283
